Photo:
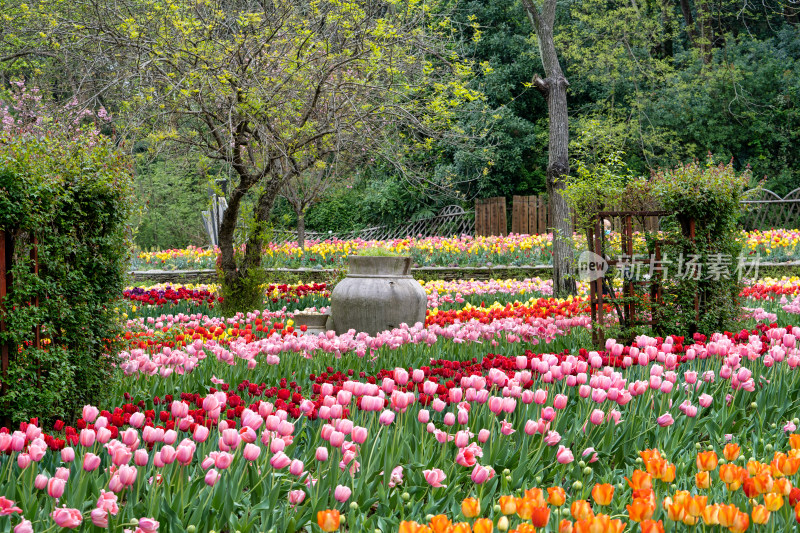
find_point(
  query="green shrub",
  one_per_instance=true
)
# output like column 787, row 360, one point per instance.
column 70, row 190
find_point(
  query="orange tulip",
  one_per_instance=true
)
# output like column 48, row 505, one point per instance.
column 773, row 501
column 656, row 467
column 689, row 520
column 441, row 524
column 782, row 486
column 749, row 488
column 407, row 526
column 640, row 480
column 675, row 511
column 707, row 461
column 760, row 514
column 763, row 482
column 754, row 467
column 602, row 493
column 711, row 515
column 536, row 495
column 797, row 512
column 471, row 507
column 731, row 451
column 540, row 516
column 523, row 528
column 525, row 508
column 703, row 480
column 483, row 525
column 727, row 514
column 556, row 496
column 508, row 504
column 740, row 523
column 668, row 476
column 732, row 476
column 649, row 526
column 581, row 510
column 649, row 455
column 640, row 509
column 645, row 494
column 682, row 497
column 794, row 441
column 696, row 504
column 565, row 526
column 328, row 520
column 462, row 527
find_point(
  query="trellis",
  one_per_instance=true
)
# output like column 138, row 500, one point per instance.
column 764, row 209
column 7, row 349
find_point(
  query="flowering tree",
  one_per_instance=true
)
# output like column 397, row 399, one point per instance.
column 272, row 88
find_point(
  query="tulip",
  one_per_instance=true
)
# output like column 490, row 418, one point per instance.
column 556, row 496
column 90, row 462
column 67, row 454
column 481, row 474
column 24, row 527
column 90, row 413
column 342, row 493
column 67, row 518
column 707, row 461
column 296, row 497
column 296, row 467
column 211, row 478
column 470, row 507
column 99, row 518
column 564, row 455
column 148, row 525
column 23, row 460
column 279, row 461
column 508, row 505
column 87, row 437
column 602, row 493
column 321, row 453
column 386, row 418
column 483, row 525
column 434, row 477
column 665, row 420
column 328, row 520
column 251, row 452
column 580, row 510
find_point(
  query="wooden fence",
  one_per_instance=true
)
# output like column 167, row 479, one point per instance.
column 490, row 217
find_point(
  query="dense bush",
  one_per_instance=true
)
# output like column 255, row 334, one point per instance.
column 70, row 190
column 707, row 195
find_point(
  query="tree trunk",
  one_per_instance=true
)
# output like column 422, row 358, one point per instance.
column 554, row 89
column 255, row 241
column 227, row 259
column 301, row 229
column 686, row 9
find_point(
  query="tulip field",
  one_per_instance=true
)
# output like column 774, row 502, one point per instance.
column 494, row 415
column 512, row 250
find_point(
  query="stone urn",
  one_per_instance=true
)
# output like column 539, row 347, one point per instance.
column 314, row 323
column 378, row 294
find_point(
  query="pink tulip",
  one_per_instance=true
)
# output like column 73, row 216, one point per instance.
column 564, row 455
column 67, row 454
column 90, row 462
column 277, row 445
column 481, row 474
column 251, row 452
column 137, row 419
column 127, row 475
column 108, row 502
column 103, row 434
column 223, row 460
column 40, row 482
column 552, row 438
column 560, row 401
column 359, row 434
column 296, row 467
column 167, row 454
column 90, row 413
column 434, row 477
column 24, row 527
column 342, row 493
column 99, row 518
column 665, row 420
column 705, row 400
column 68, row 518
column 597, row 417
column 212, row 476
column 87, row 437
column 55, row 487
column 62, row 473
column 386, row 418
column 296, row 497
column 449, row 419
column 483, row 435
column 231, row 438
column 148, row 525
column 322, row 453
column 279, row 461
column 200, row 433
column 23, row 460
